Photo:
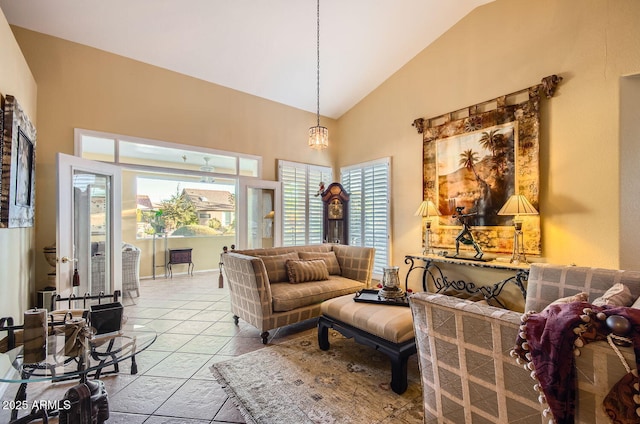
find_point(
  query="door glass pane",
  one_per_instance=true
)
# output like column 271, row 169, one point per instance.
column 260, row 216
column 91, row 240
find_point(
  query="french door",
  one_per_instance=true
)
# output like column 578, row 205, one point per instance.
column 259, row 214
column 88, row 235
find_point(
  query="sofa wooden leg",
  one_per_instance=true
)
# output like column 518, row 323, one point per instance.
column 264, row 336
column 236, row 318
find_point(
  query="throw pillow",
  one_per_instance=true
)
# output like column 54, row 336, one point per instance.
column 307, row 270
column 328, row 257
column 276, row 266
column 617, row 295
column 580, row 297
column 636, row 304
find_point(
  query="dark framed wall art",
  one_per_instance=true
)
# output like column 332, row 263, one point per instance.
column 18, row 153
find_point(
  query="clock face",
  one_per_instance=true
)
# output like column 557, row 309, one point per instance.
column 335, row 209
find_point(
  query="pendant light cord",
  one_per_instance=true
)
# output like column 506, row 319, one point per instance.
column 318, row 64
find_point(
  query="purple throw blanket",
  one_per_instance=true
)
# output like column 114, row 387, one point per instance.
column 547, row 339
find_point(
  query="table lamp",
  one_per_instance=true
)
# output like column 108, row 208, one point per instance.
column 426, row 210
column 518, row 205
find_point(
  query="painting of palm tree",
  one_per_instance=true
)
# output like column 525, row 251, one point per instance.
column 468, row 158
column 476, row 171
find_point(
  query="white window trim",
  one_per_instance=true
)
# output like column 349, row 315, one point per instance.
column 78, row 133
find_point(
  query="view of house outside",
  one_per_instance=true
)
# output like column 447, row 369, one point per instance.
column 184, row 208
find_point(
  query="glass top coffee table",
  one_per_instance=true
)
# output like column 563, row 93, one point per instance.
column 99, row 352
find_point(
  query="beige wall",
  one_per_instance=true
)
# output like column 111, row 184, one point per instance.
column 88, row 88
column 497, row 49
column 16, row 244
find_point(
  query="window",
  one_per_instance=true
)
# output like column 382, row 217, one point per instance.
column 154, row 154
column 368, row 186
column 173, row 205
column 301, row 207
column 177, row 190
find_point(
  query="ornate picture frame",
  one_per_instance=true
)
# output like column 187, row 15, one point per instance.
column 18, row 153
column 479, row 156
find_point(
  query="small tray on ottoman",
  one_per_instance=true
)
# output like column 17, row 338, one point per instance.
column 371, row 296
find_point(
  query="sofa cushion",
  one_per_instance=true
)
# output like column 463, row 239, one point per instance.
column 355, row 262
column 617, row 295
column 287, row 297
column 328, row 257
column 301, row 271
column 276, row 266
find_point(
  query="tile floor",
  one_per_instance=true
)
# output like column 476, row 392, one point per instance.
column 174, row 385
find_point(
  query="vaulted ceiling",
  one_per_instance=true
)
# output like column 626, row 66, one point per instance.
column 264, row 48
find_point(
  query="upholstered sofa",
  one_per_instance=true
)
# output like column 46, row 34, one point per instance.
column 263, row 295
column 468, row 370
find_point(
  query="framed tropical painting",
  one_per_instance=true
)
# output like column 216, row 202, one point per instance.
column 473, row 161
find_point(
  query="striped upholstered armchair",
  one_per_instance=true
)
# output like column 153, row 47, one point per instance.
column 467, row 369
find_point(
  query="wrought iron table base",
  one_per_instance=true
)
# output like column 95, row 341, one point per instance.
column 432, row 271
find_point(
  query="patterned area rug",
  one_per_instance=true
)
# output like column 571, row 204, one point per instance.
column 296, row 382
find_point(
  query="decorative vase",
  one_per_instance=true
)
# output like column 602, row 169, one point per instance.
column 390, row 283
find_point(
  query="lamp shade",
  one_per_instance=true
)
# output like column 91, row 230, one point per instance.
column 427, row 208
column 517, row 204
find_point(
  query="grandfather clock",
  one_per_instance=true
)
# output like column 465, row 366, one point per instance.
column 336, row 214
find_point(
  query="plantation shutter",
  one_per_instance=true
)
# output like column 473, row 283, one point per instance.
column 368, row 185
column 316, row 176
column 301, row 208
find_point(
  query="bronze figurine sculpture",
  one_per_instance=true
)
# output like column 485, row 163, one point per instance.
column 465, row 236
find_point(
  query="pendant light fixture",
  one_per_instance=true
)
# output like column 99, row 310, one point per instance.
column 318, row 135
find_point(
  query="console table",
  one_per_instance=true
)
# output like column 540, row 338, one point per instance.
column 432, row 270
column 180, row 256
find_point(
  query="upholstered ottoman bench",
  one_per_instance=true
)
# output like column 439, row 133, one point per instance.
column 386, row 328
